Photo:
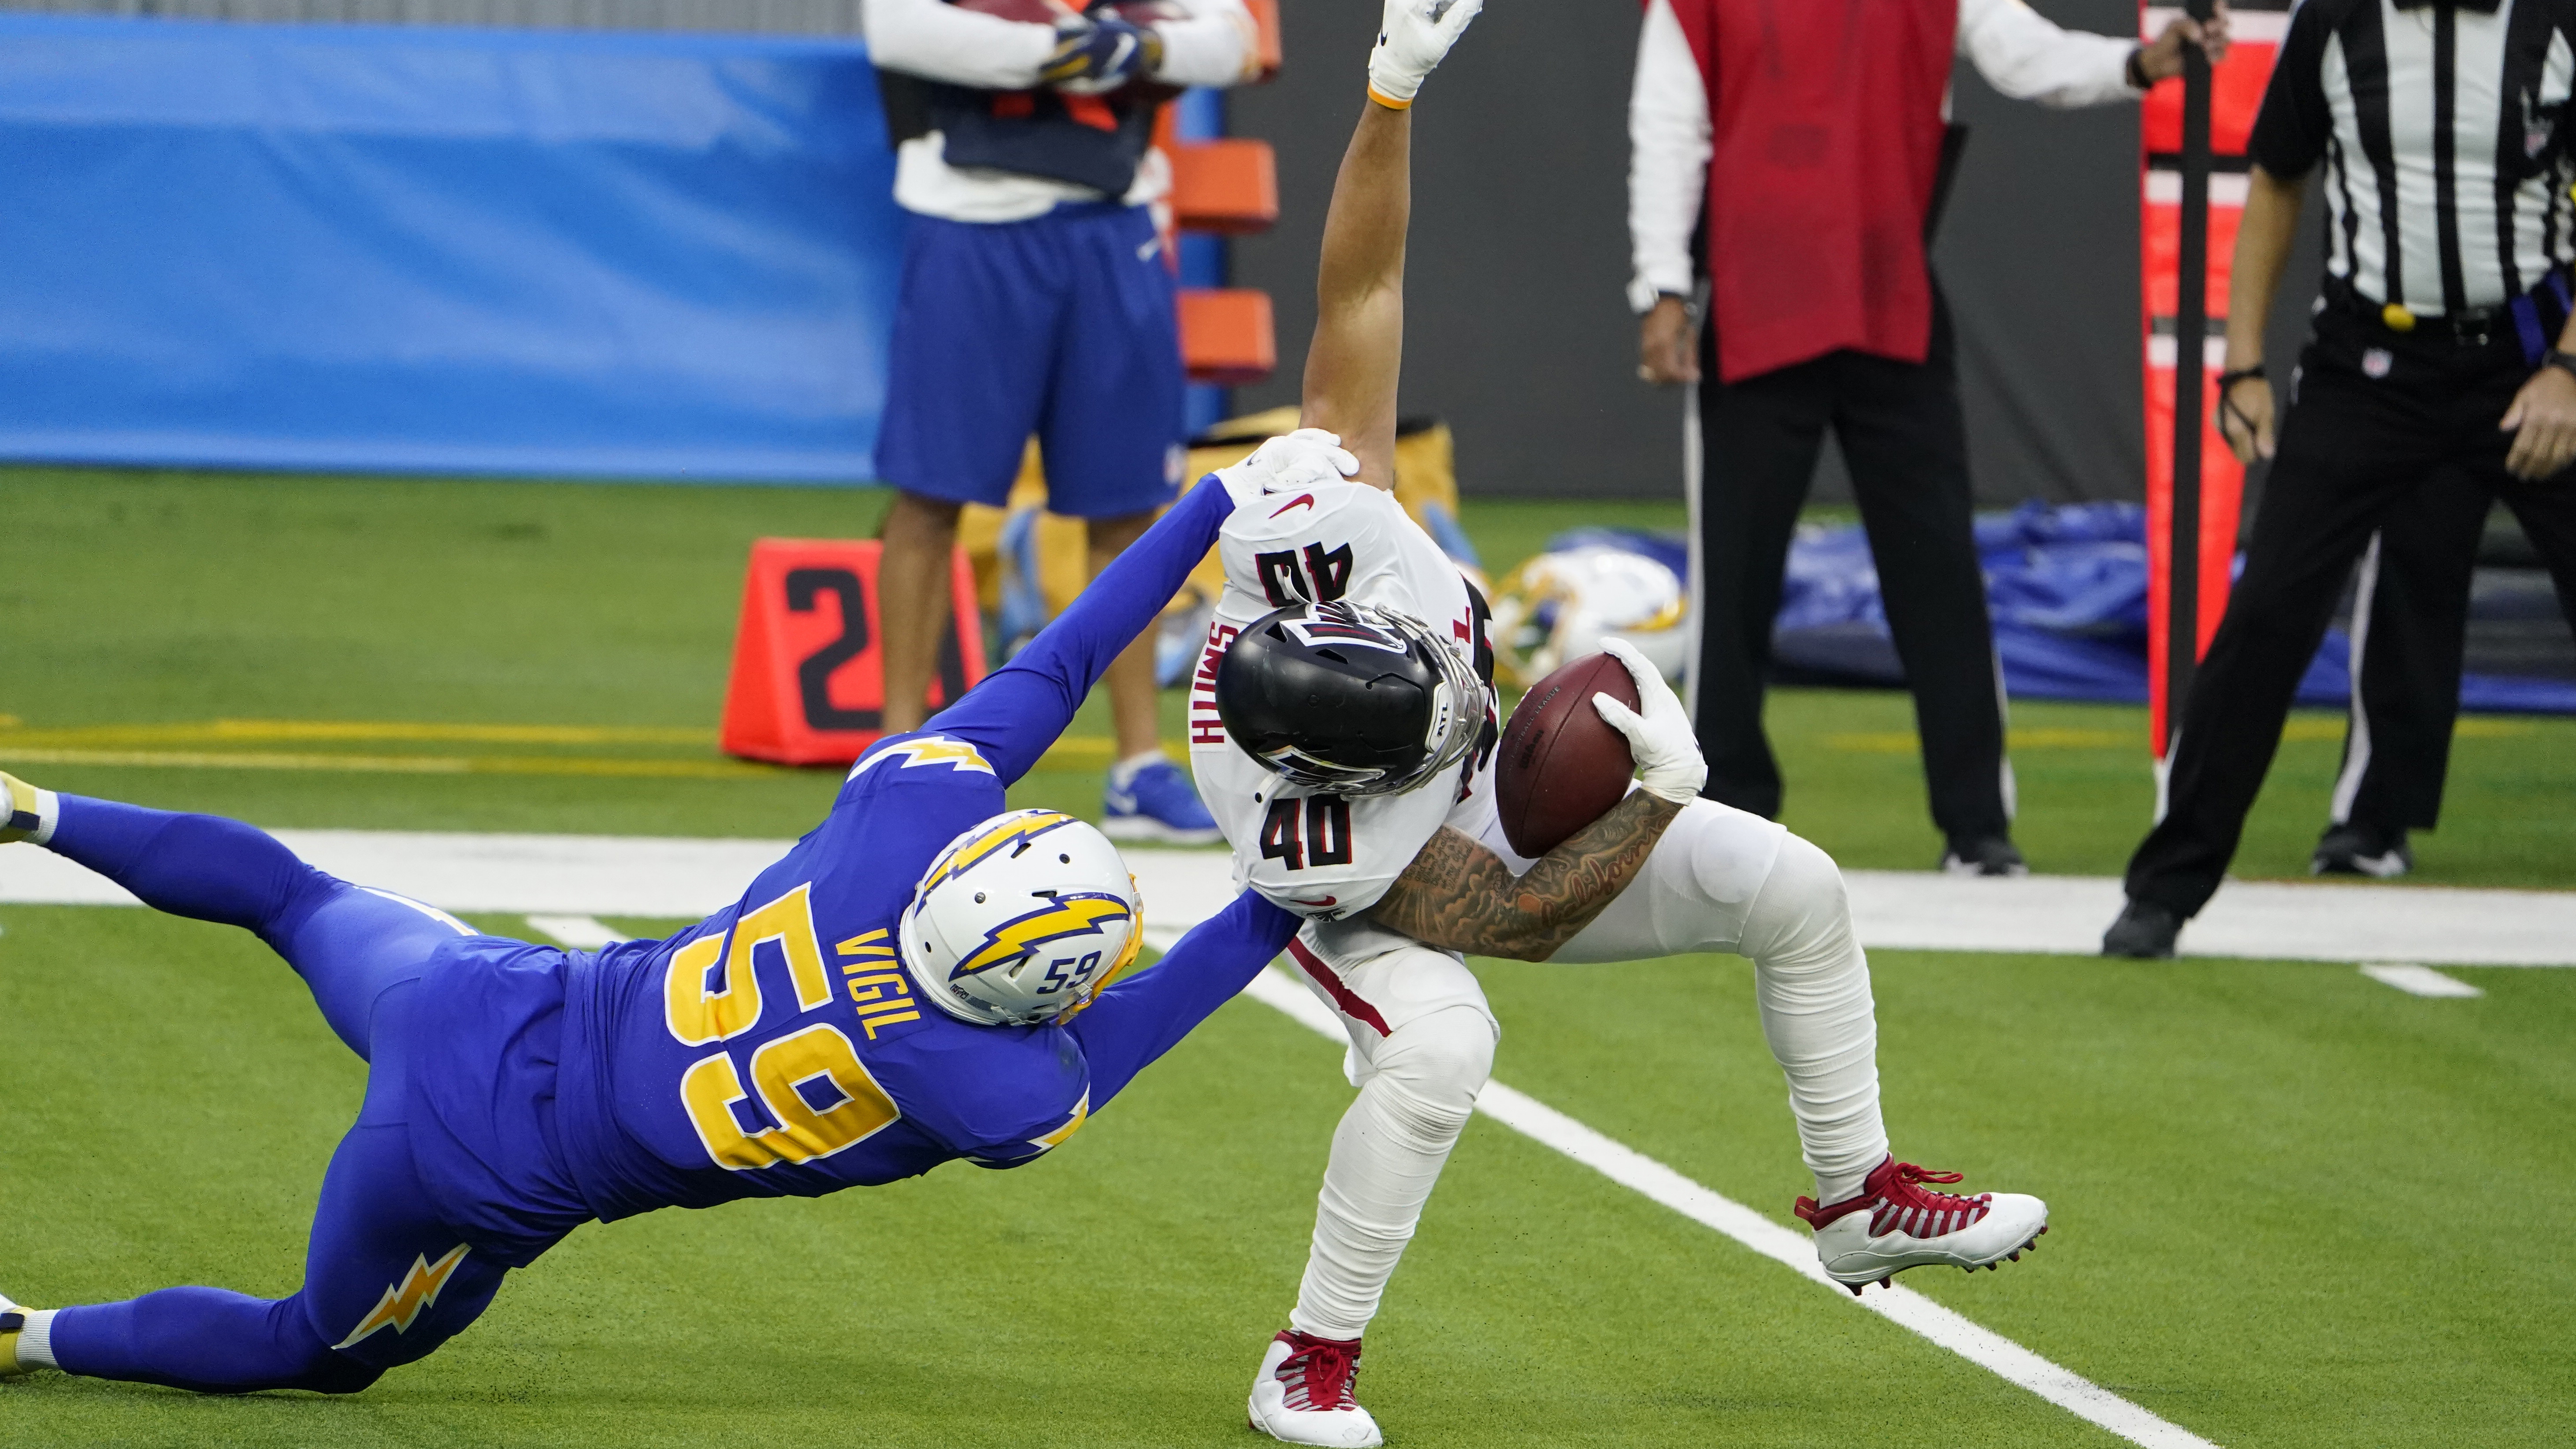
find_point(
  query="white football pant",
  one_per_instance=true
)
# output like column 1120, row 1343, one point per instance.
column 1422, row 1036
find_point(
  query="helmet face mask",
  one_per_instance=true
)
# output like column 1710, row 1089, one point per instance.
column 1021, row 920
column 1353, row 699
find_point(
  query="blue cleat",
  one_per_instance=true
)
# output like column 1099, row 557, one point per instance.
column 1154, row 802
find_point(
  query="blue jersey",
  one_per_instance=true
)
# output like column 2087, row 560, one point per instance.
column 778, row 1047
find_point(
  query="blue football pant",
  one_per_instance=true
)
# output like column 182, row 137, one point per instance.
column 385, row 1282
column 1063, row 326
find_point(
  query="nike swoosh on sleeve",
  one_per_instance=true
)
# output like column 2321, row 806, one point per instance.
column 1326, row 901
column 1306, row 499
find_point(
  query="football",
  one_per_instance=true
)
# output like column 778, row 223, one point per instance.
column 1560, row 765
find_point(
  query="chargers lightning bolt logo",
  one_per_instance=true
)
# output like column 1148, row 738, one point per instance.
column 404, row 1301
column 1069, row 915
column 928, row 750
column 1015, row 829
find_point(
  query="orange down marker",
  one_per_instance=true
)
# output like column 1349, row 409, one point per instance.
column 808, row 684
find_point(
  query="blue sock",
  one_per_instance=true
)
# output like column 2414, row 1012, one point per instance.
column 200, row 866
column 205, row 1339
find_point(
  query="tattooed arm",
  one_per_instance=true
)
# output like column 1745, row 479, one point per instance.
column 1459, row 896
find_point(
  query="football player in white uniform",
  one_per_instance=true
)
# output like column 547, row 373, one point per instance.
column 1341, row 728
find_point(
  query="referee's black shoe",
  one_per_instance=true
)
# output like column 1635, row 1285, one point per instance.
column 1983, row 855
column 2362, row 850
column 2145, row 930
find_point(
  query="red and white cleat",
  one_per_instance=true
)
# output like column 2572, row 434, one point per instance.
column 1894, row 1223
column 1303, row 1395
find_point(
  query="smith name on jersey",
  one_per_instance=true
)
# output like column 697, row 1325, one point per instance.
column 1310, row 851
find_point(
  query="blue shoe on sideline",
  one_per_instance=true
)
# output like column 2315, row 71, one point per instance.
column 1157, row 804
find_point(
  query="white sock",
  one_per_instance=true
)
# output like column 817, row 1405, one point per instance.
column 36, row 1340
column 1123, row 774
column 1387, row 1156
column 1812, row 981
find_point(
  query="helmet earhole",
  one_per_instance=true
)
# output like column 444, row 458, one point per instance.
column 979, row 898
column 1064, row 859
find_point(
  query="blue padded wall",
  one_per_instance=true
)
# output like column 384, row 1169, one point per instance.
column 429, row 248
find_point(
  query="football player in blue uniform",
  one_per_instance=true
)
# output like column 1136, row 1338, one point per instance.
column 926, row 976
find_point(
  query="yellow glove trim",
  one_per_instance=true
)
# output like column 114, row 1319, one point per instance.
column 1390, row 102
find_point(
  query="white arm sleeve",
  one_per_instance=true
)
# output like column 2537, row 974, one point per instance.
column 1668, row 137
column 2027, row 57
column 1214, row 47
column 942, row 42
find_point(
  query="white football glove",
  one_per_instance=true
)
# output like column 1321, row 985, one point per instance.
column 1659, row 737
column 1290, row 461
column 1412, row 40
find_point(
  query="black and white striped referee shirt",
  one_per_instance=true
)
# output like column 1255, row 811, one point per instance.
column 2444, row 130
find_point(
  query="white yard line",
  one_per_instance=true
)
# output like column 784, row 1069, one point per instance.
column 1787, row 1246
column 1907, row 910
column 2421, row 981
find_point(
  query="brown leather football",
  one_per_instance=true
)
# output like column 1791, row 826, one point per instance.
column 1560, row 766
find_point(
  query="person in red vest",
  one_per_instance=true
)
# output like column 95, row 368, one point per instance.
column 1814, row 133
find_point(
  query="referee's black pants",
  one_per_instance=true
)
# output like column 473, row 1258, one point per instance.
column 2409, row 630
column 2354, row 451
column 1906, row 443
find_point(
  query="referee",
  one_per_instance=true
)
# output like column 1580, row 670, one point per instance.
column 2439, row 362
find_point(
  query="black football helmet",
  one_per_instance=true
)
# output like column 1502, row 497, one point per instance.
column 1350, row 698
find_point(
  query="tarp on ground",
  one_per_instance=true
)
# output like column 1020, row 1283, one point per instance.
column 2067, row 588
column 443, row 249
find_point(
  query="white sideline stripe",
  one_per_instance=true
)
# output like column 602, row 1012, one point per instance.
column 2421, row 981
column 1630, row 1168
column 2255, row 920
column 1906, row 910
column 582, row 933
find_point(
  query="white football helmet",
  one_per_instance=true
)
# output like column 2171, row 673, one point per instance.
column 1022, row 920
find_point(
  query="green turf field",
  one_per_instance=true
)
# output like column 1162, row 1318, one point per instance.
column 2292, row 1207
column 452, row 626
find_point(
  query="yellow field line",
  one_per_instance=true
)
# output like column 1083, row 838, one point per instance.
column 392, row 764
column 1080, row 752
column 1074, row 755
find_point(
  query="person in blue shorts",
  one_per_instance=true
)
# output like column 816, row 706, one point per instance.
column 926, row 976
column 1036, row 301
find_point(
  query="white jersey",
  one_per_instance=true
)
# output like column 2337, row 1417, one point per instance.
column 1309, row 851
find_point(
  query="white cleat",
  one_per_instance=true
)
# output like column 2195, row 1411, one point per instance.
column 1894, row 1223
column 1303, row 1395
